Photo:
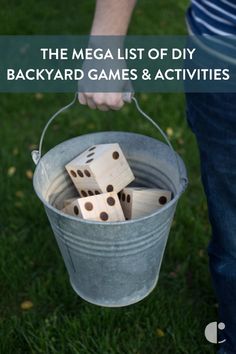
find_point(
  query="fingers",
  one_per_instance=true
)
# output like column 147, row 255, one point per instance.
column 103, row 108
column 102, row 101
column 91, row 103
column 82, row 98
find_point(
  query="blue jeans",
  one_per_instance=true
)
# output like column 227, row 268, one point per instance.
column 212, row 118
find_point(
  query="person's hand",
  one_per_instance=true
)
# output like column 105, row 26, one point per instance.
column 102, row 100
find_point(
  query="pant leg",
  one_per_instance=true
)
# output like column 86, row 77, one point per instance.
column 212, row 118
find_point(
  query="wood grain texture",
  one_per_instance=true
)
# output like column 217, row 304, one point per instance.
column 101, row 168
column 103, row 207
column 137, row 202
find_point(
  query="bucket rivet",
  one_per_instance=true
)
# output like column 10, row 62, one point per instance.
column 111, row 201
column 88, row 206
column 80, row 173
column 76, row 210
column 87, row 173
column 110, row 188
column 104, row 216
column 88, row 161
column 115, row 155
column 162, row 200
column 73, row 173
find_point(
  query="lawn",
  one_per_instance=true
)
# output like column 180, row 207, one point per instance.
column 172, row 319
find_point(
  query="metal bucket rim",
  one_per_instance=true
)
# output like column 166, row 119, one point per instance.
column 109, row 223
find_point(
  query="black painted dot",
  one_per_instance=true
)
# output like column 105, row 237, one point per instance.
column 84, row 194
column 110, row 188
column 92, row 148
column 97, row 192
column 73, row 173
column 88, row 161
column 115, row 155
column 89, row 155
column 90, row 193
column 76, row 210
column 87, row 173
column 162, row 200
column 80, row 173
column 111, row 201
column 128, row 198
column 88, row 206
column 123, row 197
column 104, row 216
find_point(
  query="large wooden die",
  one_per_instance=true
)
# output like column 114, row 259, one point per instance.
column 103, row 207
column 137, row 202
column 101, row 168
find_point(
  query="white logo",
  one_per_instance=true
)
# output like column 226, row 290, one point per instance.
column 211, row 332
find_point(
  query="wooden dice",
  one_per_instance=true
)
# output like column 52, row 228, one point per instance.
column 100, row 169
column 103, row 207
column 99, row 174
column 137, row 202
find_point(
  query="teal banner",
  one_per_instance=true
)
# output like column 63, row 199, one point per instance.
column 117, row 64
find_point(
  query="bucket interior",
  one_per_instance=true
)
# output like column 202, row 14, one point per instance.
column 152, row 162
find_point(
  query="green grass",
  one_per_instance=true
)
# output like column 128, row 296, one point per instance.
column 31, row 265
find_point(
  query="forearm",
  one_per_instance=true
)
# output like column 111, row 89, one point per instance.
column 112, row 17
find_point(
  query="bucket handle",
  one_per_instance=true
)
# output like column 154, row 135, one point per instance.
column 127, row 97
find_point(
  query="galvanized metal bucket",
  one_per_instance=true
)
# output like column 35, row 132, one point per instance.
column 111, row 264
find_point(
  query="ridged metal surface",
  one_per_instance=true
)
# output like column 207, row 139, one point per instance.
column 112, row 263
column 114, row 249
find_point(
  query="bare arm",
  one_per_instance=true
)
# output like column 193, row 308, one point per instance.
column 111, row 17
